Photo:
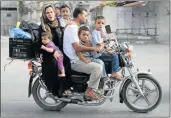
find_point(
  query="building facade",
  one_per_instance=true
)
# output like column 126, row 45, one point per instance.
column 9, row 16
column 151, row 20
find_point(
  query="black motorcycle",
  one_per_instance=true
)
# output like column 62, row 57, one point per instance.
column 136, row 89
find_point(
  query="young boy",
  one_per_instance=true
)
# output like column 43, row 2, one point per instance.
column 49, row 46
column 65, row 13
column 98, row 41
column 87, row 57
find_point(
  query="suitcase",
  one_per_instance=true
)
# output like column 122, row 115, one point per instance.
column 20, row 48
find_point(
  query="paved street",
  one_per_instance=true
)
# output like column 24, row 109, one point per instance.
column 14, row 88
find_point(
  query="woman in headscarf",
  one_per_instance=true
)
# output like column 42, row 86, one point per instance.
column 56, row 85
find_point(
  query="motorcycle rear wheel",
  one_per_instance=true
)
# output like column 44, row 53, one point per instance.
column 131, row 103
column 40, row 101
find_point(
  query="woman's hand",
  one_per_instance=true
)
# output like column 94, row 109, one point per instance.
column 58, row 54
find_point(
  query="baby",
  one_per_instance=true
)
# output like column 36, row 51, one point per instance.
column 49, row 46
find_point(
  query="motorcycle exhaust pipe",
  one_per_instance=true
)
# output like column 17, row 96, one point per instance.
column 68, row 100
column 64, row 99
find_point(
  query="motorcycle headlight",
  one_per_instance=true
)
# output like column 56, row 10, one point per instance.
column 130, row 48
column 130, row 52
column 129, row 55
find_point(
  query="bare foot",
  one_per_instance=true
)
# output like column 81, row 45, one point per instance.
column 91, row 94
column 61, row 75
column 67, row 92
column 105, row 78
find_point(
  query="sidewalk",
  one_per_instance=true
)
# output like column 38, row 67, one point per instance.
column 4, row 37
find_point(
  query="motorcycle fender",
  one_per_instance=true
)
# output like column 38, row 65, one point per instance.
column 30, row 85
column 129, row 78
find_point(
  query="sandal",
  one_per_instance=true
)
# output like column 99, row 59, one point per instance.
column 94, row 97
column 118, row 77
column 99, row 93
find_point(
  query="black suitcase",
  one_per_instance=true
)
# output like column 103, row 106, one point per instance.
column 20, row 48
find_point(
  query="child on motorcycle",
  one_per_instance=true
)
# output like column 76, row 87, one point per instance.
column 58, row 12
column 98, row 41
column 49, row 46
column 87, row 57
column 65, row 13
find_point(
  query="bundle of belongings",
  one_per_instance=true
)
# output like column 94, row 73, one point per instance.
column 19, row 33
column 22, row 40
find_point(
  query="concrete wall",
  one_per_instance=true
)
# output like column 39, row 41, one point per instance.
column 157, row 20
column 118, row 18
column 170, row 28
column 8, row 16
column 122, row 18
column 9, row 4
column 36, row 7
column 110, row 14
column 163, row 20
column 145, row 18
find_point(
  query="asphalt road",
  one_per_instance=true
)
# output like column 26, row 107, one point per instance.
column 14, row 88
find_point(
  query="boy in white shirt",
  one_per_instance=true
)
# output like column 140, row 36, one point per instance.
column 65, row 13
column 98, row 41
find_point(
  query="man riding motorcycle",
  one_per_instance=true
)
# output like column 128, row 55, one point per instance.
column 71, row 46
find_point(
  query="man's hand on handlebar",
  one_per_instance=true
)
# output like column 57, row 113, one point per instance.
column 100, row 48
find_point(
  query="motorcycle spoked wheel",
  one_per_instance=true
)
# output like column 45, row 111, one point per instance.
column 132, row 103
column 41, row 101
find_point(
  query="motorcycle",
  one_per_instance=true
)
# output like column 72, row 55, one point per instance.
column 135, row 90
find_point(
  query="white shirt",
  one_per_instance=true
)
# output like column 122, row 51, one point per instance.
column 63, row 22
column 70, row 37
column 96, row 39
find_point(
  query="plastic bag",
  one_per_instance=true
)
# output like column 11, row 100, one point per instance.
column 19, row 33
column 18, row 24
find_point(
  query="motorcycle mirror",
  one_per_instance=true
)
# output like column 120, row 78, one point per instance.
column 108, row 29
column 126, row 44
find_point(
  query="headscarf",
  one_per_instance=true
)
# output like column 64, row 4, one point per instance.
column 46, row 24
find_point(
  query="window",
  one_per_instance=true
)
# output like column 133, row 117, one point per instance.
column 8, row 9
column 8, row 15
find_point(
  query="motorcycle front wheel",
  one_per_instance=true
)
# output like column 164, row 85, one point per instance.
column 152, row 94
column 44, row 99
